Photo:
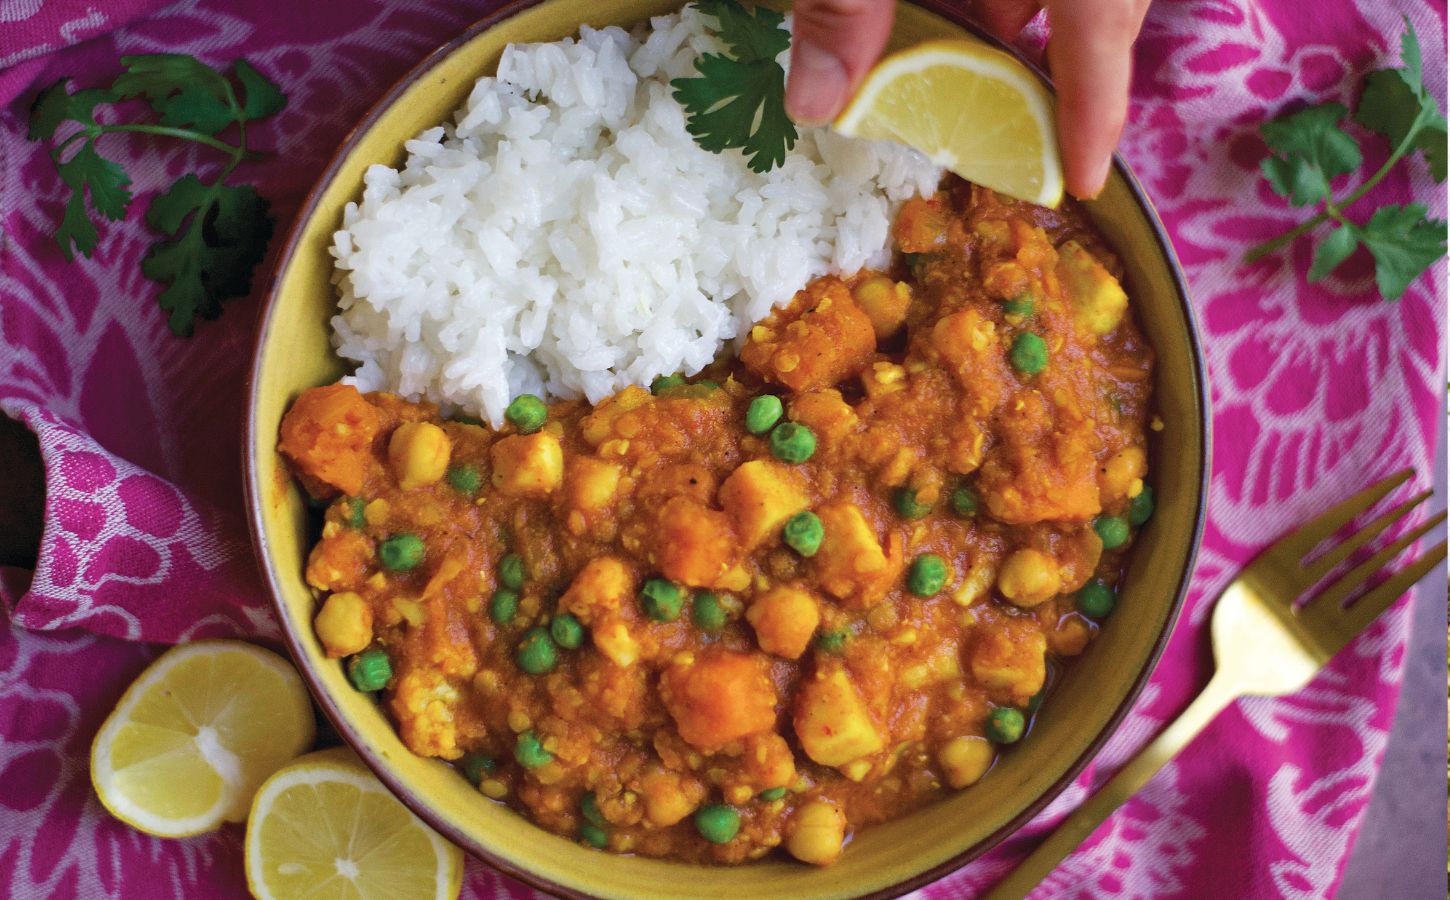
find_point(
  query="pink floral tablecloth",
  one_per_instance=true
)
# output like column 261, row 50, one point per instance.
column 1317, row 389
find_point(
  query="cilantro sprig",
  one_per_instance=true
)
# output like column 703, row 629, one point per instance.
column 1309, row 150
column 215, row 233
column 738, row 101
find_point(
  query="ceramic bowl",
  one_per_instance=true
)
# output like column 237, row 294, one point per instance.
column 293, row 353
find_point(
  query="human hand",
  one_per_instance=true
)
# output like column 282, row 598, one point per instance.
column 1090, row 54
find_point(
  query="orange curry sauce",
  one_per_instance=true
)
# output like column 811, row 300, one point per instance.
column 833, row 696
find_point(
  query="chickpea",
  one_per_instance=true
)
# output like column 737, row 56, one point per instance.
column 1029, row 577
column 418, row 452
column 345, row 624
column 1121, row 471
column 964, row 760
column 668, row 798
column 784, row 618
column 884, row 302
column 818, row 832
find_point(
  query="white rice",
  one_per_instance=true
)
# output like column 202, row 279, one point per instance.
column 565, row 236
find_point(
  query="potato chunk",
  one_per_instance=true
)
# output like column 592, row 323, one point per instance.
column 759, row 496
column 784, row 618
column 327, row 434
column 1098, row 300
column 718, row 697
column 529, row 465
column 591, row 483
column 832, row 721
column 850, row 560
column 1009, row 660
column 694, row 544
column 600, row 588
column 821, row 338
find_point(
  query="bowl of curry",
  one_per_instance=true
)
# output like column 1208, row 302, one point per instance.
column 864, row 596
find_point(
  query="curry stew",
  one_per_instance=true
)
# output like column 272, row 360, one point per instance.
column 815, row 588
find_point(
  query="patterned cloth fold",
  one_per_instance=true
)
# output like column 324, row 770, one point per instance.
column 1316, row 389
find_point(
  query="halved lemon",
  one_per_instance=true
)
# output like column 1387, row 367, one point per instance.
column 324, row 826
column 968, row 107
column 196, row 733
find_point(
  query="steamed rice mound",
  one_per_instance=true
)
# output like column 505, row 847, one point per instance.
column 565, row 236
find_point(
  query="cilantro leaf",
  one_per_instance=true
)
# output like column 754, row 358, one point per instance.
column 1391, row 107
column 1404, row 244
column 55, row 105
column 213, row 259
column 750, row 35
column 260, row 97
column 1334, row 250
column 1314, row 150
column 739, row 103
column 105, row 179
column 1410, row 57
column 76, row 228
column 185, row 91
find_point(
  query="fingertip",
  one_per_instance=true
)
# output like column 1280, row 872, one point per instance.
column 1086, row 180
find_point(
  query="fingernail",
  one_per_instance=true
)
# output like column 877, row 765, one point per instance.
column 817, row 88
column 1095, row 181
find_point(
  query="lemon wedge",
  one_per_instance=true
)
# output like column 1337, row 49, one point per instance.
column 196, row 733
column 968, row 107
column 324, row 826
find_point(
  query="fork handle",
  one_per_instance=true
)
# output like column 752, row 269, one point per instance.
column 1217, row 694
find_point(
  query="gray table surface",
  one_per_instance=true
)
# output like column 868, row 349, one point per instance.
column 1403, row 844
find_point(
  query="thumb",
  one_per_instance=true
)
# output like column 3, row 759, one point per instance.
column 835, row 43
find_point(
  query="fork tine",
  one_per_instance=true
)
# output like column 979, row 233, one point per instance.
column 1340, row 552
column 1368, row 608
column 1297, row 544
column 1326, row 606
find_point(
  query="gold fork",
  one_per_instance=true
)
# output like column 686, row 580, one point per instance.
column 1263, row 646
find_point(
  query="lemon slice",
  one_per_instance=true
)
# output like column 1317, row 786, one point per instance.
column 192, row 737
column 968, row 107
column 324, row 826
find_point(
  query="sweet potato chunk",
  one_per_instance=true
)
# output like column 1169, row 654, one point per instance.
column 327, row 435
column 694, row 545
column 1009, row 660
column 1040, row 471
column 719, row 697
column 821, row 338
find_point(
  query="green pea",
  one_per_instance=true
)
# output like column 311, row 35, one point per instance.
column 964, row 502
column 1095, row 599
column 475, row 421
column 664, row 383
column 401, row 552
column 771, row 795
column 1113, row 530
column 476, row 765
column 803, row 533
column 833, row 641
column 464, row 479
column 1005, row 725
column 511, row 572
column 792, row 442
column 717, row 823
column 1140, row 508
column 530, row 752
column 927, row 575
column 357, row 518
column 916, row 263
column 1021, row 305
column 662, row 600
column 537, row 653
column 527, row 412
column 904, row 499
column 589, row 808
column 567, row 631
column 706, row 612
column 707, row 385
column 317, row 503
column 594, row 836
column 1028, row 353
column 762, row 413
column 370, row 670
column 503, row 606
